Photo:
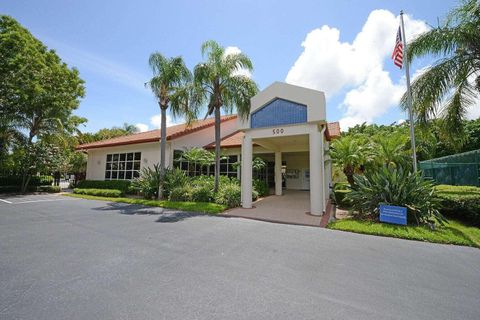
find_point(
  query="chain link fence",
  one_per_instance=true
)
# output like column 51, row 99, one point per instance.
column 460, row 169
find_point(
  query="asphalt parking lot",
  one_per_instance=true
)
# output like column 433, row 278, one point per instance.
column 66, row 258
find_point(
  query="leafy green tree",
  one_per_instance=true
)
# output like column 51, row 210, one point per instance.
column 219, row 85
column 451, row 85
column 38, row 92
column 199, row 156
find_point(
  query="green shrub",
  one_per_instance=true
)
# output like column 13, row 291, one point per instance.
column 395, row 186
column 114, row 193
column 149, row 182
column 254, row 195
column 109, row 184
column 183, row 193
column 340, row 197
column 462, row 202
column 341, row 186
column 229, row 195
column 261, row 187
column 51, row 189
column 201, row 194
column 174, row 178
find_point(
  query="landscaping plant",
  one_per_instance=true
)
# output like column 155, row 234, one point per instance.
column 395, row 186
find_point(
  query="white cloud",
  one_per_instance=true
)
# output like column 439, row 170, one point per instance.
column 142, row 127
column 371, row 99
column 329, row 65
column 235, row 50
column 156, row 121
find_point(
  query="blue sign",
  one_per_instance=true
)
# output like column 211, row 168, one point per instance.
column 393, row 214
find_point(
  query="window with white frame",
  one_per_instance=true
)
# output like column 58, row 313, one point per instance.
column 227, row 165
column 123, row 166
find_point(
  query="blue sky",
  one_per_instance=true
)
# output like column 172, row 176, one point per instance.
column 340, row 47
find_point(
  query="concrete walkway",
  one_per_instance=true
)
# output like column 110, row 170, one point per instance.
column 291, row 208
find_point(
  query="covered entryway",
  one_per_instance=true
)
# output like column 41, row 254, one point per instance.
column 290, row 208
column 286, row 120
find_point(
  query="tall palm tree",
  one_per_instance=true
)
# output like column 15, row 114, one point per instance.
column 219, row 84
column 170, row 84
column 451, row 85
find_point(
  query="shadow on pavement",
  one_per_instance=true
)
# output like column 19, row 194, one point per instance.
column 165, row 215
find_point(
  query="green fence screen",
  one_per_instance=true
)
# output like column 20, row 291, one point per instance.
column 459, row 169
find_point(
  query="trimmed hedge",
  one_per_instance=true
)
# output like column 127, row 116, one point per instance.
column 51, row 189
column 122, row 185
column 113, row 193
column 17, row 181
column 461, row 202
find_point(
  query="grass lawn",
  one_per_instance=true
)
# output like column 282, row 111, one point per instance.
column 204, row 207
column 454, row 232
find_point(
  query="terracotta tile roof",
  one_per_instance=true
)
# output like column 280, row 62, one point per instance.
column 333, row 130
column 173, row 132
column 231, row 141
column 235, row 139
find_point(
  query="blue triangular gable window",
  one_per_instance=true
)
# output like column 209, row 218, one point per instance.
column 279, row 112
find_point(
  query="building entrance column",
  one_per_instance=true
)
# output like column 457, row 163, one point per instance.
column 247, row 172
column 316, row 166
column 278, row 173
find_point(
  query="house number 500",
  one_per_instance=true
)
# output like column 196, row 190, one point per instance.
column 278, row 131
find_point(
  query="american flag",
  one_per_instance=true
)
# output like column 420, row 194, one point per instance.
column 397, row 54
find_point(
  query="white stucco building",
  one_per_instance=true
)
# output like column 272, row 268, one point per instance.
column 286, row 127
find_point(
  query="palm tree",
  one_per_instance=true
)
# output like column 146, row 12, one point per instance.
column 219, row 85
column 351, row 154
column 451, row 85
column 170, row 84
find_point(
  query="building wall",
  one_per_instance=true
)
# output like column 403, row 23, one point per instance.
column 97, row 157
column 297, row 161
column 151, row 151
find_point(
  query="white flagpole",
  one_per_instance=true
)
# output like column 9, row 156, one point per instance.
column 409, row 93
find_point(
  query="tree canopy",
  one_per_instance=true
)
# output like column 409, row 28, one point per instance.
column 451, row 85
column 38, row 94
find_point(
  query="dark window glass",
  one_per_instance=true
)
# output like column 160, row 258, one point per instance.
column 177, row 154
column 121, row 174
column 233, row 159
column 109, row 166
column 129, row 156
column 121, row 166
column 115, row 166
column 136, row 174
column 128, row 175
column 122, row 156
column 114, row 174
column 138, row 155
column 115, row 157
column 136, row 165
column 107, row 174
column 109, row 157
column 129, row 165
column 223, row 167
column 184, row 166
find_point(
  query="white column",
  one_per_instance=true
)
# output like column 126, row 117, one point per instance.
column 278, row 173
column 247, row 172
column 316, row 178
